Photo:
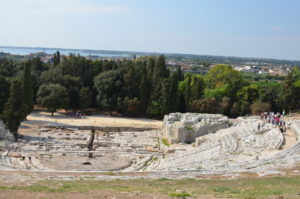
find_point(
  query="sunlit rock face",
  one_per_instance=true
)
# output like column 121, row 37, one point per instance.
column 185, row 128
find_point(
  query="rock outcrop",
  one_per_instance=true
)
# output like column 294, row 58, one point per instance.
column 185, row 128
column 238, row 148
column 4, row 133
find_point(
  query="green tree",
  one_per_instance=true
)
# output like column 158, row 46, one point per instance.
column 174, row 93
column 290, row 92
column 188, row 93
column 52, row 96
column 220, row 75
column 4, row 93
column 132, row 78
column 37, row 67
column 165, row 99
column 155, row 105
column 218, row 93
column 247, row 95
column 160, row 70
column 14, row 109
column 197, row 89
column 144, row 92
column 54, row 76
column 7, row 68
column 179, row 73
column 109, row 86
column 73, row 86
column 86, row 98
column 56, row 58
column 28, row 89
column 269, row 92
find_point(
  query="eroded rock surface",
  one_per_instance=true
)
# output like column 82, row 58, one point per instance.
column 4, row 133
column 66, row 149
column 185, row 128
column 218, row 147
column 241, row 148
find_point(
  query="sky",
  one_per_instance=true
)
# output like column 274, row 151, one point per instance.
column 244, row 28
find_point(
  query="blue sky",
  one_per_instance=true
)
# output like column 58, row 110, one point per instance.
column 248, row 28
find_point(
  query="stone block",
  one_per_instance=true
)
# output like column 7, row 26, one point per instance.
column 185, row 128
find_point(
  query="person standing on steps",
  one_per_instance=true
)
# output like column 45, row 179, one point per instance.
column 91, row 142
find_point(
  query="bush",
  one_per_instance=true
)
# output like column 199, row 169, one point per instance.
column 207, row 105
column 260, row 107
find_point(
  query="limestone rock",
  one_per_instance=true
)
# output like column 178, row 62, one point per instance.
column 185, row 128
column 4, row 133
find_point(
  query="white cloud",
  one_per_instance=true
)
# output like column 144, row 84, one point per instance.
column 276, row 28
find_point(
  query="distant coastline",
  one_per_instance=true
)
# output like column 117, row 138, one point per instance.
column 65, row 51
column 18, row 50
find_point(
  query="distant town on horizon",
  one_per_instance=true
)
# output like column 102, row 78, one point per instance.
column 138, row 52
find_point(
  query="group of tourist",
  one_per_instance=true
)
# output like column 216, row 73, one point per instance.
column 77, row 115
column 275, row 119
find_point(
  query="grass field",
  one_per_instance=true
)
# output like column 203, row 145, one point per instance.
column 251, row 188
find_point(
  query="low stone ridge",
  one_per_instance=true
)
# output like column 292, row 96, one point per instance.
column 185, row 128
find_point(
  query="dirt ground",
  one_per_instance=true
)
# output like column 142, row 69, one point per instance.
column 99, row 194
column 39, row 118
column 12, row 194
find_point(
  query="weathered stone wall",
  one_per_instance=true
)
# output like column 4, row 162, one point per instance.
column 295, row 128
column 185, row 128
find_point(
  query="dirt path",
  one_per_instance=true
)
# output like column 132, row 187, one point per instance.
column 290, row 137
column 290, row 140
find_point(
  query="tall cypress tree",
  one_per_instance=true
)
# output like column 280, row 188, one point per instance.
column 56, row 58
column 144, row 92
column 14, row 109
column 197, row 88
column 4, row 93
column 160, row 69
column 174, row 79
column 165, row 101
column 188, row 93
column 28, row 89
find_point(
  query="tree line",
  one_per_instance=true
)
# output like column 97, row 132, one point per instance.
column 142, row 86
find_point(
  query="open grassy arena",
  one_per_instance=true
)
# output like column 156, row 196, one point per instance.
column 247, row 188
